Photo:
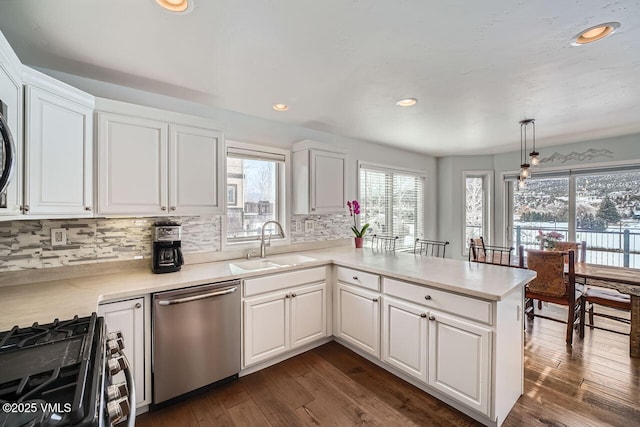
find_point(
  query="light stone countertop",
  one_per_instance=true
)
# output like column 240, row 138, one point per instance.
column 42, row 302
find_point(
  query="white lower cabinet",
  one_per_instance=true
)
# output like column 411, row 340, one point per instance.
column 405, row 337
column 280, row 321
column 460, row 360
column 266, row 332
column 132, row 318
column 308, row 314
column 358, row 317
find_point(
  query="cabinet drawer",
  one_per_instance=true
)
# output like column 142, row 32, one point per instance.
column 359, row 278
column 274, row 282
column 464, row 306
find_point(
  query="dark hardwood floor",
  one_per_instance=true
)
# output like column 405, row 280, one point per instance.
column 594, row 383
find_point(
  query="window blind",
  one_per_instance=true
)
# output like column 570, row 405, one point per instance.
column 392, row 203
column 251, row 154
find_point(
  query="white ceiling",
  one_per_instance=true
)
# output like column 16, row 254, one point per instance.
column 476, row 67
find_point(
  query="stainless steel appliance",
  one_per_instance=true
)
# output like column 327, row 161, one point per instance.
column 167, row 248
column 59, row 374
column 196, row 338
column 7, row 155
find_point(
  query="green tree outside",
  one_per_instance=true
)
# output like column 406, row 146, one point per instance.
column 608, row 212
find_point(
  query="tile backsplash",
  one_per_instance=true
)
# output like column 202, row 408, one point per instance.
column 27, row 244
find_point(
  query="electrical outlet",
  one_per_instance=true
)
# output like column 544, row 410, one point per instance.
column 309, row 225
column 298, row 226
column 58, row 236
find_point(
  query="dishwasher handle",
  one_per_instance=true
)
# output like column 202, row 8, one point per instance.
column 221, row 292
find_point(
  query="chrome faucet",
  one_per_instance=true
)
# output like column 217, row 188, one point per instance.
column 263, row 245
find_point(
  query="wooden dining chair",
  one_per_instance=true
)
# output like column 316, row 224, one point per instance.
column 480, row 252
column 435, row 248
column 607, row 298
column 554, row 286
column 580, row 249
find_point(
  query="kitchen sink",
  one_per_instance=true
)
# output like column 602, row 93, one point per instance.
column 269, row 263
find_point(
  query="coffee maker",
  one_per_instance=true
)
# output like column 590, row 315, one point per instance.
column 167, row 255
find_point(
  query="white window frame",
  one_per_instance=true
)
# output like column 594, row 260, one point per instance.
column 487, row 191
column 394, row 169
column 283, row 191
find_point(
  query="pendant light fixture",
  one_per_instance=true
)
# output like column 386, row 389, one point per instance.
column 534, row 156
column 524, row 166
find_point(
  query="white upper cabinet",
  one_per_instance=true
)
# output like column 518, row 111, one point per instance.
column 319, row 179
column 58, row 148
column 194, row 177
column 149, row 166
column 132, row 165
column 11, row 108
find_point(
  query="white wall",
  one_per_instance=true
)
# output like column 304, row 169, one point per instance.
column 451, row 198
column 240, row 127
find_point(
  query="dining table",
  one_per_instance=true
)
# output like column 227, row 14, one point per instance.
column 623, row 279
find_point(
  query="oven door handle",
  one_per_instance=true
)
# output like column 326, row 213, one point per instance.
column 199, row 297
column 131, row 418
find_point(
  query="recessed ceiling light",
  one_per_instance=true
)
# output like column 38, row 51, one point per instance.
column 280, row 107
column 177, row 6
column 406, row 102
column 595, row 33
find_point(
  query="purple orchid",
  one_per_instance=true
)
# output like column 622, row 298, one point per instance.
column 354, row 209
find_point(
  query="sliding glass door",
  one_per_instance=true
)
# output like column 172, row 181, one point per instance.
column 601, row 207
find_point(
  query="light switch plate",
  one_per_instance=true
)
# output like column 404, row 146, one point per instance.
column 309, row 225
column 58, row 237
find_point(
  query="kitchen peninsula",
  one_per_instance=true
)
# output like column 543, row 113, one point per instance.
column 452, row 328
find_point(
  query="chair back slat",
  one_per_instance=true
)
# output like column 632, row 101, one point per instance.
column 479, row 252
column 384, row 243
column 434, row 248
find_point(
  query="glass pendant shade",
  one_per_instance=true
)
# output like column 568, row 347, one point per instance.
column 522, row 183
column 535, row 158
column 524, row 172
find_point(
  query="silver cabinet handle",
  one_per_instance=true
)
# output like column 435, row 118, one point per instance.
column 87, row 208
column 432, row 318
column 375, row 300
column 423, row 315
column 355, row 277
column 293, row 295
column 26, row 208
column 138, row 305
column 164, row 208
column 198, row 297
column 173, row 208
column 427, row 297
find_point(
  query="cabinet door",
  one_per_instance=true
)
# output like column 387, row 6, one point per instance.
column 460, row 360
column 128, row 317
column 404, row 337
column 308, row 314
column 327, row 182
column 358, row 318
column 59, row 151
column 132, row 165
column 195, row 156
column 266, row 327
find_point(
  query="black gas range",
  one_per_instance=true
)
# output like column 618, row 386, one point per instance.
column 60, row 374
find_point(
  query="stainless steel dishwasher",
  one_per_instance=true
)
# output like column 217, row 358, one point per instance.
column 196, row 338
